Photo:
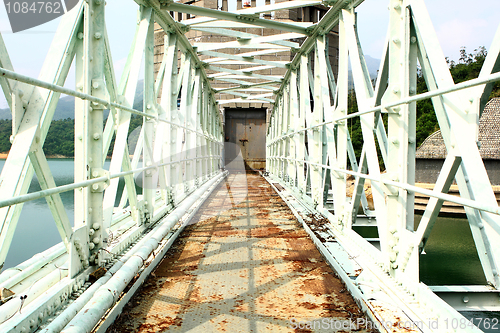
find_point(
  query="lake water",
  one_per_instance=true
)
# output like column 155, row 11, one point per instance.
column 36, row 230
column 450, row 258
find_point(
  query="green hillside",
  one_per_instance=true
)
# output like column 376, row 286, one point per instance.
column 468, row 67
column 61, row 135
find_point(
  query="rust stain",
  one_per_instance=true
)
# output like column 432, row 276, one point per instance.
column 245, row 264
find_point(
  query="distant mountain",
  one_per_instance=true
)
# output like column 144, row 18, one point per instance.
column 373, row 67
column 66, row 106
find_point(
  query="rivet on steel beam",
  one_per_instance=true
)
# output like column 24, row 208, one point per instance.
column 413, row 39
column 80, row 35
column 97, row 136
column 465, row 299
column 95, row 186
column 91, row 232
column 91, row 246
column 397, row 6
column 96, row 226
column 97, row 35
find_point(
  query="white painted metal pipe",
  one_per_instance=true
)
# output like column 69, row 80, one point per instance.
column 108, row 294
column 65, row 188
column 9, row 309
column 13, row 275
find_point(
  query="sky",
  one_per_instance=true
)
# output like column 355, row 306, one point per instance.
column 457, row 23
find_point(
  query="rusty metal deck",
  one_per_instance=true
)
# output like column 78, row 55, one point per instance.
column 243, row 265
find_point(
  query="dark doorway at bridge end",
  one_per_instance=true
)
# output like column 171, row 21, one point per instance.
column 245, row 134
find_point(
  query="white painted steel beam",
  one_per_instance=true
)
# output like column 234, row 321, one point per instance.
column 235, row 17
column 252, row 11
column 180, row 144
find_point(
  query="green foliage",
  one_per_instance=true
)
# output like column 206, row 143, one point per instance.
column 5, row 132
column 60, row 138
column 467, row 68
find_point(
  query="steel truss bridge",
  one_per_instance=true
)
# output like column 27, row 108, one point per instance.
column 309, row 152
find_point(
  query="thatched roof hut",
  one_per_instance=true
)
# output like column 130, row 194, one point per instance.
column 489, row 136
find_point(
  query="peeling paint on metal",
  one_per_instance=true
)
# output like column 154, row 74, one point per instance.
column 245, row 265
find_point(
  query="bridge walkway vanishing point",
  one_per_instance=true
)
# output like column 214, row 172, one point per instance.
column 199, row 59
column 244, row 264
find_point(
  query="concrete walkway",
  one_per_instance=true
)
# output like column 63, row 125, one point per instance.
column 243, row 265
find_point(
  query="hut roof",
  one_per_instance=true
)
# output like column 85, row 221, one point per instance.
column 489, row 136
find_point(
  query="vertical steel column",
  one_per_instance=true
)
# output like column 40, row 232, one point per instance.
column 339, row 184
column 81, row 107
column 149, row 123
column 304, row 111
column 169, row 104
column 191, row 123
column 294, row 125
column 185, row 107
column 398, row 120
column 285, row 125
column 316, row 137
column 175, row 175
column 329, row 145
column 94, row 47
column 281, row 131
column 412, row 266
column 205, row 140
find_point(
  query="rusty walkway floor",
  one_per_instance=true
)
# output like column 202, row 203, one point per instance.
column 244, row 265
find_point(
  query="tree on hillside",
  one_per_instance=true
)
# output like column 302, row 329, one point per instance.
column 468, row 67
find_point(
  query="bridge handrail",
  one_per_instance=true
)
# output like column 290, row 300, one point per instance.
column 383, row 108
column 54, row 87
